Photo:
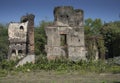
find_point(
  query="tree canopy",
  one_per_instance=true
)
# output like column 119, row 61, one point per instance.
column 3, row 42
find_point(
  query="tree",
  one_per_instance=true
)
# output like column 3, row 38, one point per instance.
column 111, row 34
column 40, row 38
column 94, row 39
column 3, row 42
column 92, row 27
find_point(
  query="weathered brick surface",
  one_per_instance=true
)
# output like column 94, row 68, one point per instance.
column 67, row 29
column 21, row 38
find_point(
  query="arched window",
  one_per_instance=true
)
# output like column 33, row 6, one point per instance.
column 20, row 51
column 21, row 28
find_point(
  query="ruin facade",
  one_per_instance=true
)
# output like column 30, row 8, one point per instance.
column 21, row 38
column 65, row 38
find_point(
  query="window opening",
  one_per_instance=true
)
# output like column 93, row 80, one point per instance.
column 21, row 28
column 63, row 39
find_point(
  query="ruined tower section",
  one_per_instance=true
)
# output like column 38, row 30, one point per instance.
column 30, row 32
column 17, row 40
column 66, row 36
column 21, row 38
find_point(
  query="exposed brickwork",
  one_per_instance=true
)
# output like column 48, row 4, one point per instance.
column 21, row 38
column 66, row 37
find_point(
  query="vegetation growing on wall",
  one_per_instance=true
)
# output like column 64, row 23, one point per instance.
column 111, row 34
column 94, row 39
column 102, row 39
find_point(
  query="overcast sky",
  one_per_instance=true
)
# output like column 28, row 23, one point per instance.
column 12, row 10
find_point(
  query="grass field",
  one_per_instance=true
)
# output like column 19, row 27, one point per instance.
column 60, row 77
column 60, row 71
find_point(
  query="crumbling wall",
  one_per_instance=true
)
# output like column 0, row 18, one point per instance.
column 53, row 47
column 66, row 37
column 30, row 34
column 21, row 38
column 17, row 33
column 67, row 15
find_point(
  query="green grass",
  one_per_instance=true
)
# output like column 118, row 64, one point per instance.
column 59, row 67
column 55, row 77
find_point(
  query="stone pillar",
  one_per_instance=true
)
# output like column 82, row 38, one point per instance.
column 16, row 52
column 30, row 33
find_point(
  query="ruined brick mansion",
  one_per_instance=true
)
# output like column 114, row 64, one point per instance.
column 65, row 38
column 21, row 39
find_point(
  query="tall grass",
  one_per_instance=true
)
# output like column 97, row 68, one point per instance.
column 59, row 65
